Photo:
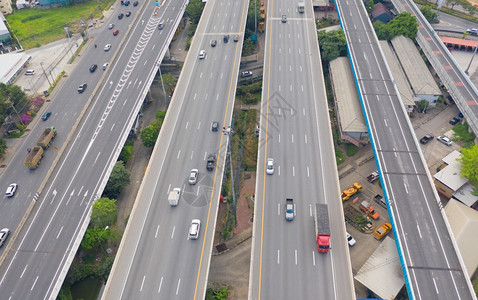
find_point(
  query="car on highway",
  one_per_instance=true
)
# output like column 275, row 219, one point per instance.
column 120, row 16
column 454, row 121
column 202, row 54
column 126, row 3
column 289, row 209
column 110, row 26
column 270, row 166
column 105, row 65
column 226, row 38
column 472, row 31
column 262, row 3
column 213, row 43
column 11, row 189
column 444, row 140
column 107, row 47
column 246, row 74
column 82, row 88
column 93, row 68
column 214, row 126
column 193, row 176
column 46, row 115
column 426, row 138
column 135, row 3
column 350, row 240
column 284, row 19
column 4, row 233
column 128, row 14
column 115, row 32
column 160, row 25
column 236, row 38
column 194, row 229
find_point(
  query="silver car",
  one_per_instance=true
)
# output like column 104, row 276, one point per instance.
column 193, row 177
column 270, row 166
column 4, row 235
column 12, row 188
column 107, row 47
column 444, row 140
column 194, row 229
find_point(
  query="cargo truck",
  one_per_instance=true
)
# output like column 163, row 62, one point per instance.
column 173, row 197
column 301, row 7
column 45, row 138
column 33, row 158
column 381, row 232
column 322, row 227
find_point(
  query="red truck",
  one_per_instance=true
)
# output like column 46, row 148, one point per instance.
column 322, row 227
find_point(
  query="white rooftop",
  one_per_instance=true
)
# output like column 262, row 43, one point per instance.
column 10, row 63
column 451, row 174
column 419, row 77
column 348, row 104
column 384, row 263
column 464, row 194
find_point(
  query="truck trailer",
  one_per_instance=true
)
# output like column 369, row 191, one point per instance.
column 45, row 138
column 33, row 158
column 322, row 227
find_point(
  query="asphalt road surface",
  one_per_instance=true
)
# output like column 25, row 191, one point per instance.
column 295, row 132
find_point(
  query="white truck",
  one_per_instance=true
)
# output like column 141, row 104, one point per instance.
column 173, row 197
column 301, row 7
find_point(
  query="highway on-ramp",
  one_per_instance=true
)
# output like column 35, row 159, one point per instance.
column 157, row 258
column 42, row 251
column 296, row 134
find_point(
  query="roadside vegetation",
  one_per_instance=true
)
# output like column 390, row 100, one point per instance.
column 469, row 163
column 462, row 134
column 35, row 27
column 220, row 293
column 403, row 24
column 193, row 12
column 470, row 9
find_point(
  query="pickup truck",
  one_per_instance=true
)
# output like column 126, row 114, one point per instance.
column 289, row 209
column 372, row 177
column 382, row 231
column 369, row 210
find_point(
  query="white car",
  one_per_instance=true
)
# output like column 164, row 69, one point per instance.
column 105, row 65
column 193, row 177
column 270, row 166
column 444, row 140
column 350, row 240
column 3, row 235
column 202, row 54
column 110, row 26
column 194, row 229
column 12, row 188
column 107, row 47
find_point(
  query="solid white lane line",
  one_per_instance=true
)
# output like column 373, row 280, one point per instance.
column 187, row 124
column 142, row 283
column 179, row 153
column 293, row 171
column 160, row 284
column 179, row 283
column 313, row 257
column 61, row 229
column 34, row 283
column 296, row 256
column 197, row 193
column 278, row 256
column 157, row 230
column 24, row 271
column 278, row 209
column 172, row 233
column 292, row 138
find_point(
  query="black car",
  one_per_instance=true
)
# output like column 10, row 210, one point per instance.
column 93, row 68
column 46, row 115
column 120, row 16
column 128, row 14
column 454, row 121
column 226, row 38
column 214, row 126
column 135, row 3
column 213, row 43
column 426, row 138
column 82, row 88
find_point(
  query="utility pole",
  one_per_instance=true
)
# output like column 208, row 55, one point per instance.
column 162, row 84
column 44, row 73
column 98, row 239
column 229, row 133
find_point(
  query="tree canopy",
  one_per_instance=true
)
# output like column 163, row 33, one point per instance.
column 194, row 10
column 104, row 213
column 469, row 165
column 332, row 44
column 9, row 94
column 429, row 14
column 118, row 179
column 403, row 24
column 149, row 134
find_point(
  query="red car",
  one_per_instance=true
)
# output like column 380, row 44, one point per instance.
column 115, row 32
column 262, row 3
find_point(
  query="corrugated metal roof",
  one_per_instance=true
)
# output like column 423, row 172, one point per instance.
column 397, row 73
column 464, row 225
column 348, row 106
column 419, row 77
column 451, row 174
column 462, row 42
column 10, row 63
column 383, row 263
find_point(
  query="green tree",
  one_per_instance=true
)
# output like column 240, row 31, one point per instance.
column 381, row 29
column 118, row 179
column 3, row 146
column 370, row 5
column 250, row 15
column 169, row 83
column 125, row 154
column 94, row 236
column 456, row 2
column 429, row 14
column 79, row 272
column 332, row 44
column 469, row 166
column 403, row 24
column 194, row 10
column 423, row 105
column 104, row 268
column 149, row 135
column 104, row 213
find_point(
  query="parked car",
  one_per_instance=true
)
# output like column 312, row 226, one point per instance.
column 454, row 121
column 213, row 43
column 128, row 14
column 82, row 88
column 426, row 138
column 46, row 115
column 120, row 16
column 472, row 31
column 4, row 233
column 193, row 176
column 115, row 32
column 107, row 47
column 444, row 140
column 110, row 26
column 93, row 68
column 246, row 74
column 270, row 166
column 12, row 188
column 350, row 240
column 194, row 229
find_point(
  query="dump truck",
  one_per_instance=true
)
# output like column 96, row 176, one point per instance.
column 372, row 177
column 369, row 210
column 211, row 162
column 322, row 227
column 46, row 137
column 347, row 193
column 301, row 7
column 33, row 158
column 382, row 231
column 173, row 197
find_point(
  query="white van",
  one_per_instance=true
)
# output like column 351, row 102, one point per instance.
column 173, row 197
column 30, row 72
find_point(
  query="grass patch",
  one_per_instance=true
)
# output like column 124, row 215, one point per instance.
column 462, row 134
column 34, row 27
column 249, row 94
column 78, row 50
column 339, row 156
column 50, row 89
column 351, row 149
